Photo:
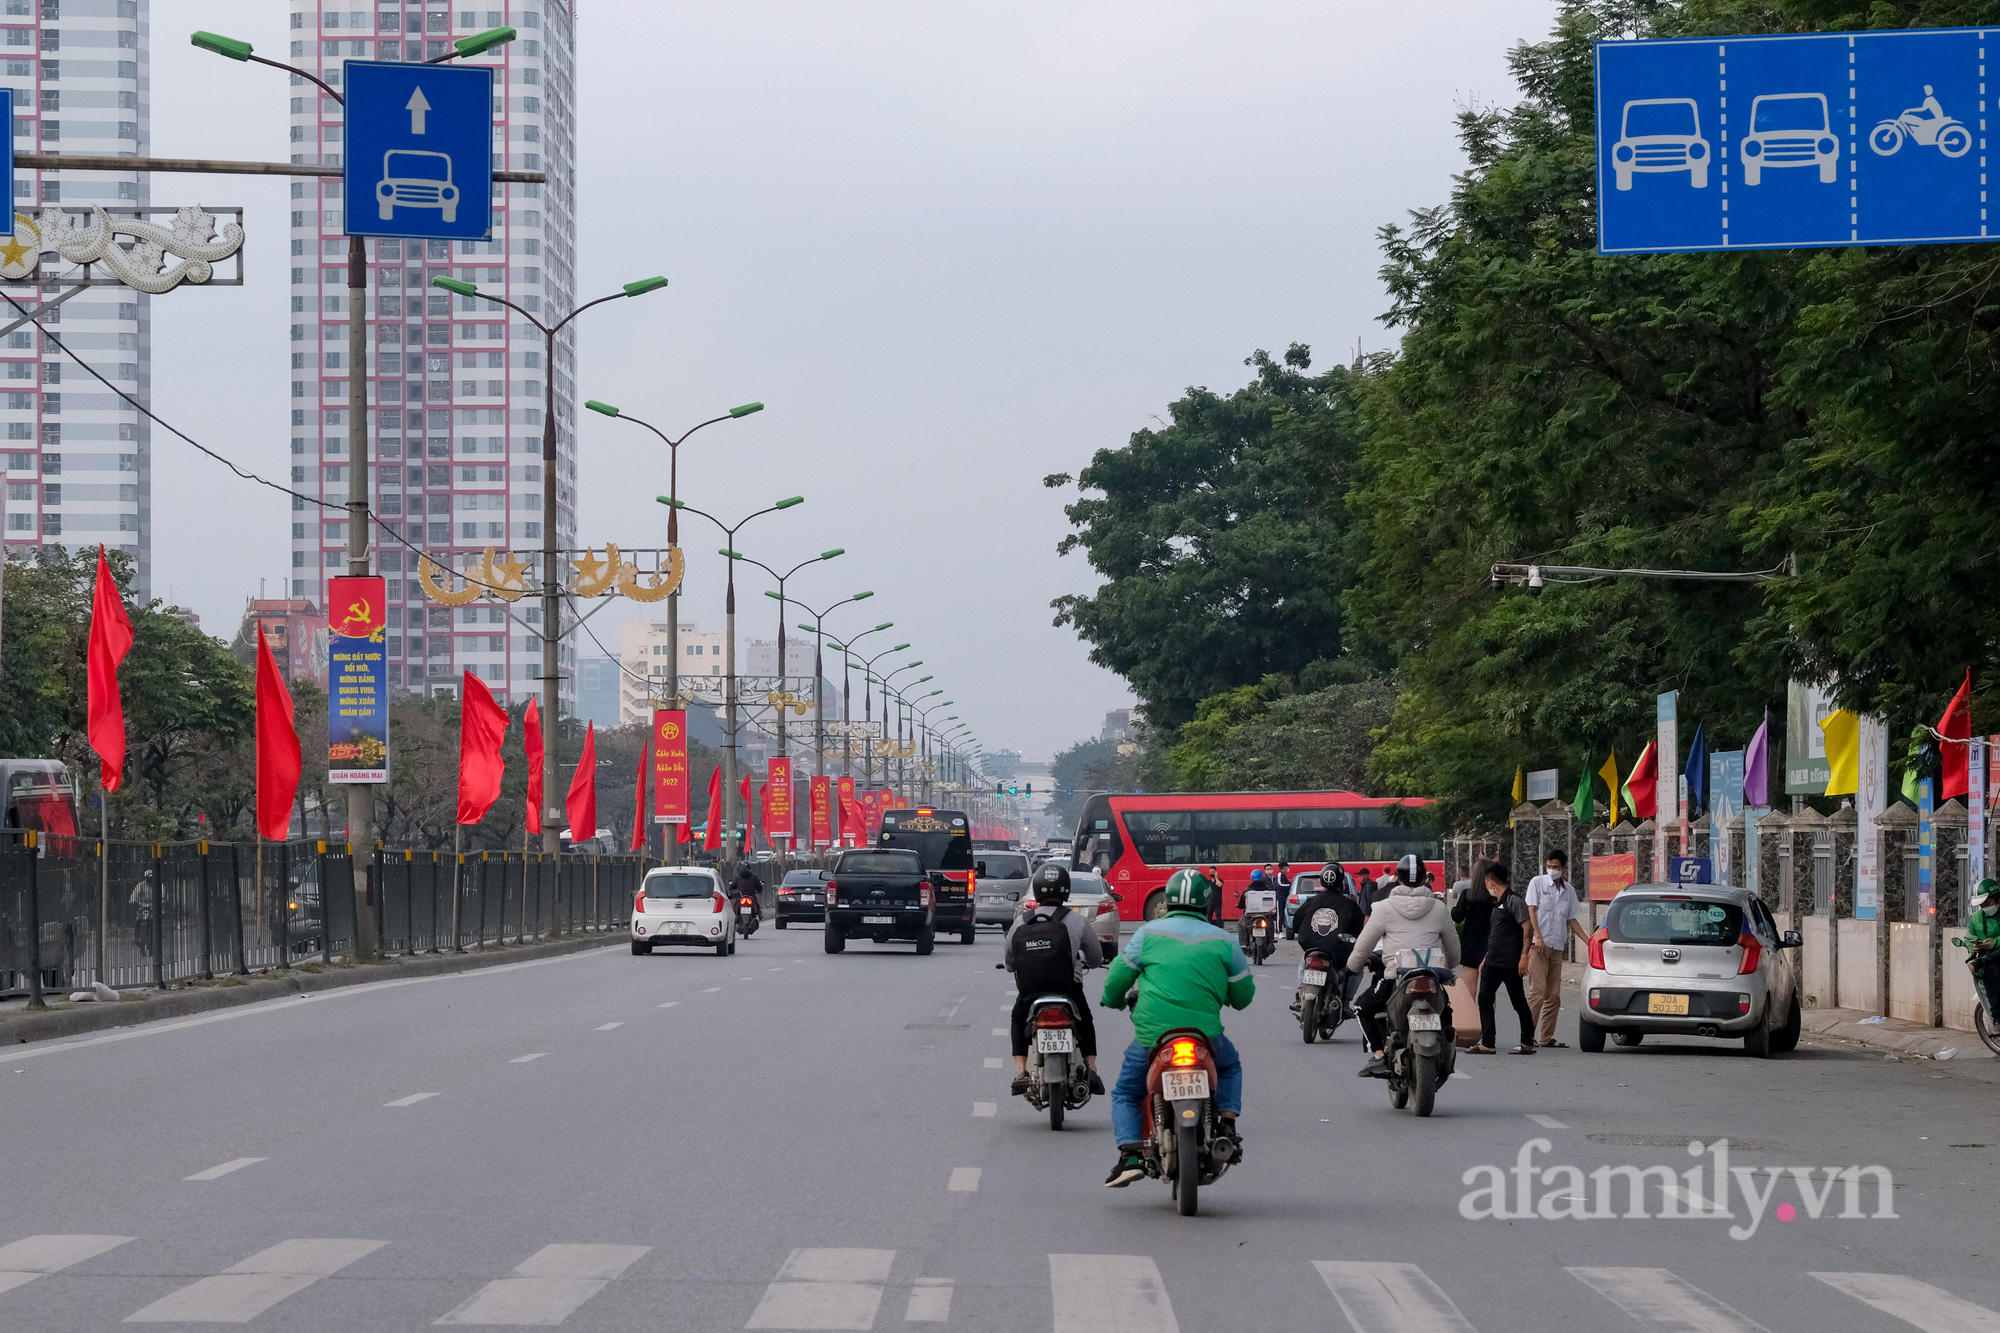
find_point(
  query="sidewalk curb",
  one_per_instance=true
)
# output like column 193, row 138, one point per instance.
column 67, row 1020
column 1894, row 1034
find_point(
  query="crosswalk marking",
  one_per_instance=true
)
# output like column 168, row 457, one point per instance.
column 1391, row 1298
column 37, row 1256
column 1548, row 1122
column 1660, row 1300
column 1109, row 1293
column 930, row 1301
column 825, row 1289
column 548, row 1286
column 218, row 1172
column 1929, row 1308
column 243, row 1291
column 412, row 1099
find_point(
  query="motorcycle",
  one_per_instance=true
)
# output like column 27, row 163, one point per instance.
column 746, row 917
column 1419, row 1050
column 1982, row 1012
column 1263, row 941
column 1180, row 1110
column 1061, row 1081
column 1949, row 136
column 1322, row 999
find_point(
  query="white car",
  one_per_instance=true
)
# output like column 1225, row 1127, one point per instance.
column 683, row 905
column 1789, row 130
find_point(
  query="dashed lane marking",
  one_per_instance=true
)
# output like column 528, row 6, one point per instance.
column 1548, row 1122
column 411, row 1100
column 606, row 1027
column 964, row 1179
column 524, row 1059
column 985, row 1109
column 218, row 1172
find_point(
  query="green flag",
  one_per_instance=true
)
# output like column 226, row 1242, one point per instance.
column 1581, row 807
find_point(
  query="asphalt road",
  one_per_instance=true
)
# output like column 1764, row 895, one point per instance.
column 786, row 1139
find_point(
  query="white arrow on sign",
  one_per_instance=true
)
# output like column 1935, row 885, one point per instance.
column 417, row 106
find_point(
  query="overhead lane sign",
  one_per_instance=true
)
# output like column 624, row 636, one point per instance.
column 419, row 150
column 1744, row 143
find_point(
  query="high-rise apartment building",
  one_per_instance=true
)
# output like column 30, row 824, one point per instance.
column 455, row 384
column 78, row 458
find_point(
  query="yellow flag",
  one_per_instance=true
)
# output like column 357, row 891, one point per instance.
column 1519, row 791
column 1843, row 752
column 1610, row 775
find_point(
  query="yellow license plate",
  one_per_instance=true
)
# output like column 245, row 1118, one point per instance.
column 1667, row 1004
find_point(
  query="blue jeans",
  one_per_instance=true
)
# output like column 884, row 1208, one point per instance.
column 1130, row 1089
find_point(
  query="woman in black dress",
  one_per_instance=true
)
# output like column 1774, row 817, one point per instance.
column 1474, row 913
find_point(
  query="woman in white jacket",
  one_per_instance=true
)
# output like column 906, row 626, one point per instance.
column 1411, row 927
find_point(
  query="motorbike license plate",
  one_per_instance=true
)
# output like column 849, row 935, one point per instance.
column 1313, row 979
column 1426, row 1022
column 1055, row 1041
column 1667, row 1004
column 1180, row 1085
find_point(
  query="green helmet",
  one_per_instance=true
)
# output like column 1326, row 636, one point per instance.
column 1189, row 890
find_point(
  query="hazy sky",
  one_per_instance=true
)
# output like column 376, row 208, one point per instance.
column 953, row 248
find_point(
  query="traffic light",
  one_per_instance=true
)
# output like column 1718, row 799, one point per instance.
column 999, row 789
column 1031, row 789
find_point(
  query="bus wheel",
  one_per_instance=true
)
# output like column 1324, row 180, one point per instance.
column 1156, row 905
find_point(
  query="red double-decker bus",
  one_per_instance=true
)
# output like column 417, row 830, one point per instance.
column 1136, row 842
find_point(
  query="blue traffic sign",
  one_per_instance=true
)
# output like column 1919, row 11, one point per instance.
column 7, row 153
column 419, row 150
column 1746, row 143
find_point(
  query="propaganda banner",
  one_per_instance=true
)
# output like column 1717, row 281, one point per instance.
column 850, row 813
column 357, row 681
column 672, row 798
column 821, row 813
column 778, row 807
column 1609, row 874
column 871, row 814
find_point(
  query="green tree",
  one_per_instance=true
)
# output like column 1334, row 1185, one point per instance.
column 1268, row 737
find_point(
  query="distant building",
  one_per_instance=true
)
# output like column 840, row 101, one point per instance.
column 296, row 629
column 1117, row 725
column 597, row 696
column 646, row 681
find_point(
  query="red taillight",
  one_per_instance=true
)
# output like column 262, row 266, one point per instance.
column 924, row 895
column 639, row 903
column 832, row 886
column 1595, row 948
column 1743, row 1004
column 1181, row 1054
column 746, row 902
column 721, row 903
column 1316, row 964
column 1423, row 984
column 1752, row 952
column 1052, row 1017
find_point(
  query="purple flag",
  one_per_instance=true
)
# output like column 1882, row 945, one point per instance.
column 1756, row 766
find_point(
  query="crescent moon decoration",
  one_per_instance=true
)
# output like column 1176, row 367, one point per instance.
column 427, row 572
column 663, row 584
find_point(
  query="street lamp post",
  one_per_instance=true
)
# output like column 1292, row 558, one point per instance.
column 729, row 553
column 819, row 674
column 551, row 584
column 847, row 657
column 779, row 597
column 868, row 713
column 898, row 785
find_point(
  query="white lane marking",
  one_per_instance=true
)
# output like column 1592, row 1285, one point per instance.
column 746, row 978
column 1548, row 1122
column 411, row 1100
column 524, row 1059
column 1697, row 1206
column 670, row 1004
column 1932, row 1309
column 710, row 990
column 35, row 1256
column 985, row 1108
column 243, row 1291
column 964, row 1179
column 1660, row 1300
column 825, row 1289
column 278, row 1006
column 218, row 1172
column 774, row 969
column 999, row 1032
column 606, row 1027
column 548, row 1286
column 992, row 1062
column 930, row 1301
column 1109, row 1293
column 1391, row 1298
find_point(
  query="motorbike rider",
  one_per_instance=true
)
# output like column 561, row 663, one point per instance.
column 747, row 885
column 1051, row 890
column 1409, row 918
column 1190, row 968
column 1257, row 897
column 1983, row 930
column 1323, row 918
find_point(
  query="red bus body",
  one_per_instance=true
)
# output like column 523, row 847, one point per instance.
column 1137, row 842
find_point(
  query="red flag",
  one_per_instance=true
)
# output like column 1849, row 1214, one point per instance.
column 278, row 759
column 531, row 734
column 1956, row 725
column 1642, row 784
column 639, row 806
column 110, row 640
column 481, row 726
column 764, row 809
column 749, row 824
column 711, row 838
column 582, row 805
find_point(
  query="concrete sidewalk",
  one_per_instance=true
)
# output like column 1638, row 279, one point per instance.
column 64, row 1019
column 1895, row 1034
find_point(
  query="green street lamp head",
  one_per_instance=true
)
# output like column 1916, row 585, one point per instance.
column 776, row 597
column 644, row 285
column 836, row 644
column 885, row 625
column 746, row 409
column 908, row 665
column 670, row 502
column 922, row 679
column 899, row 648
column 454, row 285
column 222, row 46
column 828, row 555
column 482, row 42
column 787, row 504
column 861, row 597
column 726, row 553
column 804, row 628
column 605, row 408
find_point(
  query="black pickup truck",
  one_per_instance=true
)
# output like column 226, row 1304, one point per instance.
column 880, row 894
column 942, row 839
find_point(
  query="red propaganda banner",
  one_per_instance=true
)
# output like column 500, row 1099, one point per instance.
column 1609, row 874
column 821, row 812
column 850, row 813
column 899, row 803
column 778, row 810
column 871, row 814
column 357, row 684
column 671, row 796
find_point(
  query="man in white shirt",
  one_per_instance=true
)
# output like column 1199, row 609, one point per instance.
column 1553, row 901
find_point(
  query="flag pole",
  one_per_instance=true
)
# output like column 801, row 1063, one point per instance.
column 457, row 881
column 103, row 869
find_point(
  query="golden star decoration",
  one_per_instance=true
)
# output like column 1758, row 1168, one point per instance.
column 513, row 571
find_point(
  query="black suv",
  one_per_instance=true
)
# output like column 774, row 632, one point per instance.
column 881, row 895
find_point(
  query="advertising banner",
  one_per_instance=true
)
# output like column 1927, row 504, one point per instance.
column 357, row 682
column 1725, row 801
column 822, row 812
column 1690, row 870
column 1975, row 823
column 778, row 807
column 1806, row 768
column 672, row 797
column 1871, row 799
column 1609, row 874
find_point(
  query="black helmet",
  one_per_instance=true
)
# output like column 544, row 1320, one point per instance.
column 1051, row 884
column 1333, row 877
column 1410, row 870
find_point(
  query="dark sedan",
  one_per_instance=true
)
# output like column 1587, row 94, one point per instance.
column 802, row 897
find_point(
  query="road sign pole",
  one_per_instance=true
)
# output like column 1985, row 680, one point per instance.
column 360, row 796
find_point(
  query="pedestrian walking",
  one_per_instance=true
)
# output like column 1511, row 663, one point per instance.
column 1473, row 911
column 1511, row 930
column 1365, row 891
column 1552, row 898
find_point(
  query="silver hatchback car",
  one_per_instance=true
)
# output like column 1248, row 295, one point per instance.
column 1693, row 960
